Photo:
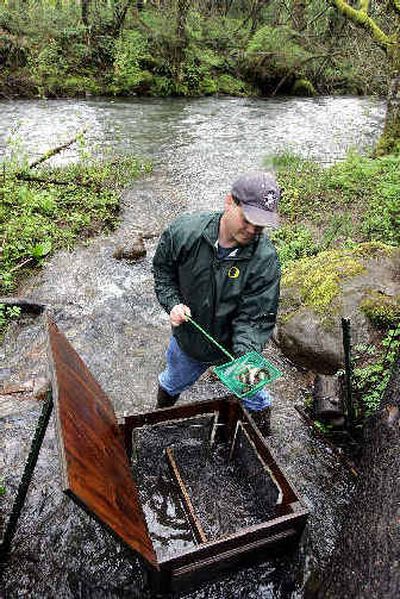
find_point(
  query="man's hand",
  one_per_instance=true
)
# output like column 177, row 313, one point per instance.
column 178, row 314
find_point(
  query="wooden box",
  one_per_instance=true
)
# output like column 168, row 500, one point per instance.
column 99, row 456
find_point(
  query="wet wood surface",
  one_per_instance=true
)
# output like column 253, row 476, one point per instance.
column 283, row 528
column 190, row 511
column 96, row 469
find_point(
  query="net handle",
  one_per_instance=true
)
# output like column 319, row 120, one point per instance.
column 194, row 323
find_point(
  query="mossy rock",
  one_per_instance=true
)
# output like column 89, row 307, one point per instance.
column 318, row 291
column 303, row 87
column 382, row 310
column 317, row 278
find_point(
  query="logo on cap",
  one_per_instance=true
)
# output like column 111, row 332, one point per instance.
column 269, row 200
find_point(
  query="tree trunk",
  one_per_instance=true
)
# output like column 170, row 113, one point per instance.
column 389, row 141
column 85, row 12
column 181, row 38
column 299, row 15
column 390, row 43
column 119, row 14
column 366, row 560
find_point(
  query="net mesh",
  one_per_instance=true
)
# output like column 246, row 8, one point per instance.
column 248, row 374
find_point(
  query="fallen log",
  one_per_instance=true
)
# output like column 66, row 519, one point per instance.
column 57, row 150
column 33, row 179
column 26, row 305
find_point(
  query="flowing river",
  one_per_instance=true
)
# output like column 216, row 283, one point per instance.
column 108, row 310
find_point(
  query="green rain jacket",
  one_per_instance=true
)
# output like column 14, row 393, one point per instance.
column 235, row 299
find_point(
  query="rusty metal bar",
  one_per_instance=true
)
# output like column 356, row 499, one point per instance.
column 199, row 532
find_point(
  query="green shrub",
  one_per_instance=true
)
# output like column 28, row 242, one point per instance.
column 371, row 370
column 357, row 199
column 48, row 67
column 162, row 86
column 303, row 87
column 293, row 242
column 80, row 86
column 131, row 49
column 276, row 52
column 7, row 313
column 208, row 86
column 227, row 84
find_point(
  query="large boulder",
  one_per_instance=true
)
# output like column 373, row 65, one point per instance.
column 362, row 284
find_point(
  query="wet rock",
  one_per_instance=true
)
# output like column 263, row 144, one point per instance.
column 304, row 340
column 393, row 415
column 5, row 373
column 132, row 250
column 40, row 388
column 311, row 336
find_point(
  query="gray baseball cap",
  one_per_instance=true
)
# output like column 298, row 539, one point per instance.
column 258, row 194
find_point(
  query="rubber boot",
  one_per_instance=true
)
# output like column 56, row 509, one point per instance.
column 263, row 421
column 164, row 399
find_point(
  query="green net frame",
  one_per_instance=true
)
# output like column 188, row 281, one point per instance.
column 230, row 372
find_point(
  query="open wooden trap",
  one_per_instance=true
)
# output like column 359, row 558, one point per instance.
column 193, row 490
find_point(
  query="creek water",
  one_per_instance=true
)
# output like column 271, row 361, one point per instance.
column 108, row 310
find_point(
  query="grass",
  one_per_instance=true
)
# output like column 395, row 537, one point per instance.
column 357, row 200
column 42, row 211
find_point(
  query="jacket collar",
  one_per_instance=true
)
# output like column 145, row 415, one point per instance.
column 210, row 233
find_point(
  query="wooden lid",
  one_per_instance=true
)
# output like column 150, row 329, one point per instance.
column 96, row 470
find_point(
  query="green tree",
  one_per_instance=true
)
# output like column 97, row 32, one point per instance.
column 390, row 43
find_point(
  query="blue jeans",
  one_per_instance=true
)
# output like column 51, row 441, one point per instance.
column 182, row 371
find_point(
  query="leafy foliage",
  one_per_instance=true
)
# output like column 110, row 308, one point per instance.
column 48, row 50
column 357, row 200
column 276, row 51
column 372, row 366
column 37, row 218
column 383, row 310
column 293, row 242
column 333, row 219
column 131, row 50
column 7, row 313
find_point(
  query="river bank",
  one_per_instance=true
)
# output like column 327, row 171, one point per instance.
column 184, row 49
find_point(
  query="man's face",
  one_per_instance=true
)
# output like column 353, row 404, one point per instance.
column 239, row 228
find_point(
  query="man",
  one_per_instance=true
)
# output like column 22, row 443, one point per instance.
column 222, row 270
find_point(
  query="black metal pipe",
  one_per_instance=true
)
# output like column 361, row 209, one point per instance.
column 22, row 491
column 346, row 328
